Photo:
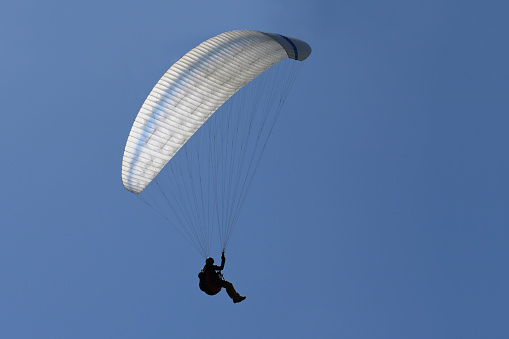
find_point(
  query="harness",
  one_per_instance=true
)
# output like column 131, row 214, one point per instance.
column 206, row 284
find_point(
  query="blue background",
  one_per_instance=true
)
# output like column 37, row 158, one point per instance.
column 380, row 209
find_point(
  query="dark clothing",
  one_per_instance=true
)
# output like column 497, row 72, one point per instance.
column 211, row 281
column 212, row 270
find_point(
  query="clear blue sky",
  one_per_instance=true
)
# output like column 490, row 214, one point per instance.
column 380, row 209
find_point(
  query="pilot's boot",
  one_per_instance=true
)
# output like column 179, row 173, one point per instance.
column 237, row 298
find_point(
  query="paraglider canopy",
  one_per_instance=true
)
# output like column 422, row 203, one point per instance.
column 194, row 88
column 205, row 185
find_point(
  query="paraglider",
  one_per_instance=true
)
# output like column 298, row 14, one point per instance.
column 205, row 183
column 211, row 280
